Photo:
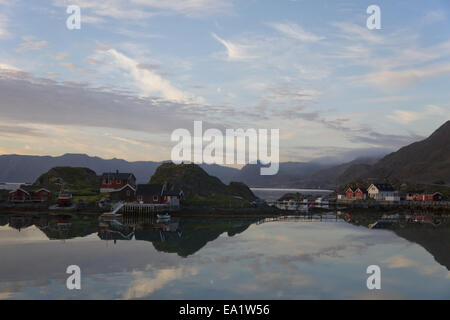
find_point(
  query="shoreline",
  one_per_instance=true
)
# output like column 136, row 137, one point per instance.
column 265, row 211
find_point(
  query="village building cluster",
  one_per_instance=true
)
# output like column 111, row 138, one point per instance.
column 29, row 194
column 123, row 187
column 386, row 192
column 116, row 185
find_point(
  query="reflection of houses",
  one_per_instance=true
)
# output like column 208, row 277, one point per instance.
column 115, row 181
column 158, row 232
column 157, row 194
column 383, row 191
column 41, row 221
column 422, row 195
column 20, row 222
column 26, row 194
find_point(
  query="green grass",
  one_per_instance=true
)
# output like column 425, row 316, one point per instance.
column 90, row 198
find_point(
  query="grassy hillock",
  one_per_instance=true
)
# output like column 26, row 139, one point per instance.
column 201, row 189
column 80, row 181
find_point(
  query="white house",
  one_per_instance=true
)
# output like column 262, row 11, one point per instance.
column 382, row 192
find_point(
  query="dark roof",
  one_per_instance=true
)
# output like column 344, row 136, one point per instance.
column 117, row 175
column 123, row 188
column 384, row 186
column 149, row 189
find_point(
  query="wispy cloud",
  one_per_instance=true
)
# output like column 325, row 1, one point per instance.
column 97, row 11
column 393, row 141
column 406, row 117
column 61, row 56
column 388, row 79
column 355, row 32
column 149, row 82
column 296, row 32
column 434, row 16
column 30, row 43
column 235, row 51
column 4, row 32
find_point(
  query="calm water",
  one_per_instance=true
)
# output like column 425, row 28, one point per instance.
column 223, row 258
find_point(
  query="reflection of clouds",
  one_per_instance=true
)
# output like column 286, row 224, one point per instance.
column 277, row 284
column 274, row 260
column 29, row 234
column 10, row 289
column 6, row 295
column 400, row 261
column 143, row 286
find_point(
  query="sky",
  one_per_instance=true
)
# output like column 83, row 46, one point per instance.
column 137, row 70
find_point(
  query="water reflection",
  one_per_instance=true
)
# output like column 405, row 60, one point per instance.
column 309, row 256
column 186, row 236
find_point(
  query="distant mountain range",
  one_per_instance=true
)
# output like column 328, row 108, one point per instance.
column 20, row 168
column 426, row 161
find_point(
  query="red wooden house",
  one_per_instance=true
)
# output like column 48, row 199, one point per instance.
column 115, row 181
column 361, row 194
column 150, row 193
column 24, row 194
column 350, row 194
column 41, row 195
column 423, row 196
column 19, row 195
column 430, row 197
column 157, row 194
column 172, row 197
column 127, row 193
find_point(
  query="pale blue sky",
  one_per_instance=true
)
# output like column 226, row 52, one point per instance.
column 139, row 69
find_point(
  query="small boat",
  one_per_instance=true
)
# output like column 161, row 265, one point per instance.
column 64, row 198
column 163, row 216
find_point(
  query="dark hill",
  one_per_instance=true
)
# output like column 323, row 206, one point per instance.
column 426, row 161
column 80, row 181
column 197, row 184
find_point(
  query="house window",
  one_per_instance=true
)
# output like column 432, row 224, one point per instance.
column 155, row 198
column 128, row 193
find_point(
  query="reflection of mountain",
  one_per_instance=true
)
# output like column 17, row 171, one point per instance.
column 20, row 222
column 114, row 230
column 196, row 233
column 435, row 240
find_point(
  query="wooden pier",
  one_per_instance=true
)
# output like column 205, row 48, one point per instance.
column 146, row 208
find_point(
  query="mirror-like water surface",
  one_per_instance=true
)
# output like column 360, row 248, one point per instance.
column 224, row 258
